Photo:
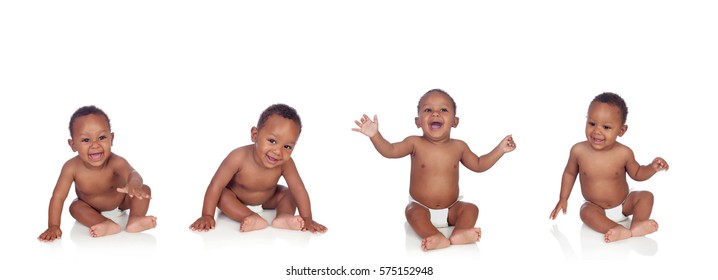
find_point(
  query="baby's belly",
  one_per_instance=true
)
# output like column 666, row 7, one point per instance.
column 251, row 197
column 437, row 199
column 103, row 202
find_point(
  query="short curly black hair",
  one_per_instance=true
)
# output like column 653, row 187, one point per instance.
column 615, row 100
column 88, row 110
column 418, row 106
column 282, row 110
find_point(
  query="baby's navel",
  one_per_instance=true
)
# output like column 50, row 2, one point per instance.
column 422, row 165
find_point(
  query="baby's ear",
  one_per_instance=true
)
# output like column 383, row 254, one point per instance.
column 623, row 130
column 72, row 145
column 416, row 121
column 112, row 139
column 456, row 122
column 254, row 132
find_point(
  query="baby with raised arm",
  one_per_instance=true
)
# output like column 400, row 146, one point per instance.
column 434, row 179
column 601, row 163
column 104, row 182
column 248, row 176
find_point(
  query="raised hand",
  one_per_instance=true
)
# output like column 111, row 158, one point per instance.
column 659, row 164
column 507, row 144
column 367, row 126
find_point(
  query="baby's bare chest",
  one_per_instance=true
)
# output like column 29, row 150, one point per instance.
column 99, row 182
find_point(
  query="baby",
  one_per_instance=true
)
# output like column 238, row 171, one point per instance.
column 248, row 176
column 603, row 163
column 103, row 181
column 434, row 183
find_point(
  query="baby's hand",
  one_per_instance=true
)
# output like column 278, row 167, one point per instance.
column 367, row 126
column 204, row 223
column 560, row 207
column 507, row 144
column 659, row 164
column 134, row 191
column 50, row 234
column 313, row 227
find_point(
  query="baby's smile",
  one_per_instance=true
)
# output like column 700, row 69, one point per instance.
column 436, row 125
column 95, row 156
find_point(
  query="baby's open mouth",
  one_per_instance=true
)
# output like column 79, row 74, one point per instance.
column 436, row 125
column 95, row 156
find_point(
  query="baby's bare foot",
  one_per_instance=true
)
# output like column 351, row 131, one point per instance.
column 617, row 233
column 138, row 224
column 108, row 227
column 252, row 222
column 465, row 236
column 436, row 241
column 644, row 227
column 288, row 222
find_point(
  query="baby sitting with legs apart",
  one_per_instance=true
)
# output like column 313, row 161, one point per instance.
column 434, row 183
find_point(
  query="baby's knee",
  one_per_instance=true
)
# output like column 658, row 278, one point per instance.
column 77, row 206
column 147, row 189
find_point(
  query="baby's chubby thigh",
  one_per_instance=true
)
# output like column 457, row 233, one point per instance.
column 463, row 214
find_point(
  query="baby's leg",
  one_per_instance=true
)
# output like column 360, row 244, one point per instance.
column 595, row 218
column 640, row 205
column 420, row 220
column 231, row 206
column 138, row 220
column 89, row 217
column 463, row 217
column 283, row 201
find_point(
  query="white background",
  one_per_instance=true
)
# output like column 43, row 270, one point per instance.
column 184, row 81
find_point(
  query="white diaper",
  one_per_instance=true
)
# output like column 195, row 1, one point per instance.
column 439, row 217
column 616, row 214
column 114, row 213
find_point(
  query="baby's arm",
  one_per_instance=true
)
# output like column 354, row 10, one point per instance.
column 483, row 163
column 644, row 172
column 227, row 169
column 370, row 128
column 567, row 182
column 301, row 197
column 59, row 194
column 133, row 188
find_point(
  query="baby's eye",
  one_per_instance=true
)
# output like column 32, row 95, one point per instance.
column 591, row 123
column 288, row 147
column 444, row 110
column 427, row 110
column 85, row 140
column 272, row 141
column 103, row 137
column 606, row 127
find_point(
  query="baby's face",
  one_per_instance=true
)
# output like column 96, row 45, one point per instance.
column 275, row 141
column 436, row 116
column 603, row 125
column 92, row 139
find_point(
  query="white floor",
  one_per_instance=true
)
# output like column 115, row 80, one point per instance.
column 183, row 83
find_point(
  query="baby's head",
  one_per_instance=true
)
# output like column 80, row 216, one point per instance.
column 436, row 91
column 606, row 120
column 91, row 135
column 615, row 100
column 275, row 135
column 436, row 115
column 282, row 110
column 88, row 110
